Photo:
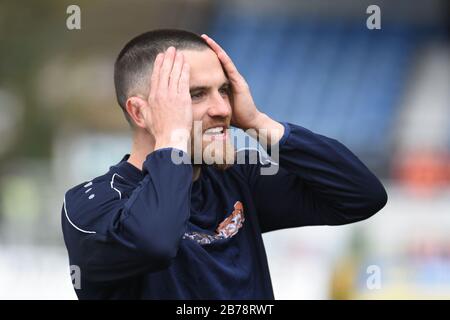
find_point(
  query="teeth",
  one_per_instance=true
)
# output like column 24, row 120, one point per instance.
column 214, row 130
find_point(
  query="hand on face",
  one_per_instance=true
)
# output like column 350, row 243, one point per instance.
column 168, row 112
column 245, row 113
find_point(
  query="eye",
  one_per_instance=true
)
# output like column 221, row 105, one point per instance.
column 225, row 90
column 197, row 95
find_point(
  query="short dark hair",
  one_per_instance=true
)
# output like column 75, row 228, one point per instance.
column 135, row 61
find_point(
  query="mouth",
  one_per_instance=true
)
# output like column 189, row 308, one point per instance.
column 216, row 133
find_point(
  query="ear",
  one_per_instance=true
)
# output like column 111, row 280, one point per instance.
column 136, row 108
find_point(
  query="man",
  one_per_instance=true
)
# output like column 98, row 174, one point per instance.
column 155, row 228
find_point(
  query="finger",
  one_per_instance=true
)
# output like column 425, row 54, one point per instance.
column 176, row 72
column 226, row 61
column 166, row 69
column 214, row 45
column 183, row 85
column 155, row 73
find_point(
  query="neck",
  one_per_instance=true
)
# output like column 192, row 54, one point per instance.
column 143, row 145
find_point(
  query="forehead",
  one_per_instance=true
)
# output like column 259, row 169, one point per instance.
column 205, row 68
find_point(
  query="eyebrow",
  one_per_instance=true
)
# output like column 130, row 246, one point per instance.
column 200, row 88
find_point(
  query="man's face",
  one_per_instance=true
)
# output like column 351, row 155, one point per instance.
column 211, row 107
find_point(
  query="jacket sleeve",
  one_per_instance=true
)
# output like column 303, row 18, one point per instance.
column 111, row 238
column 318, row 182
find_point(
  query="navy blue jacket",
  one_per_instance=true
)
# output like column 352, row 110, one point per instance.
column 156, row 234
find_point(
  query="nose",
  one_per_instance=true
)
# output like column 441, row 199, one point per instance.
column 219, row 107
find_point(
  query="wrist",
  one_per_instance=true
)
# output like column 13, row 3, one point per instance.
column 178, row 139
column 268, row 131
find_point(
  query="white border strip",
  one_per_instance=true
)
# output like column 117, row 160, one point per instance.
column 112, row 184
column 73, row 225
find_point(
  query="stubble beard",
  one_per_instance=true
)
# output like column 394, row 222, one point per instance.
column 221, row 154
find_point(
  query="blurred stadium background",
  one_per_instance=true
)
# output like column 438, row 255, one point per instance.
column 383, row 93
